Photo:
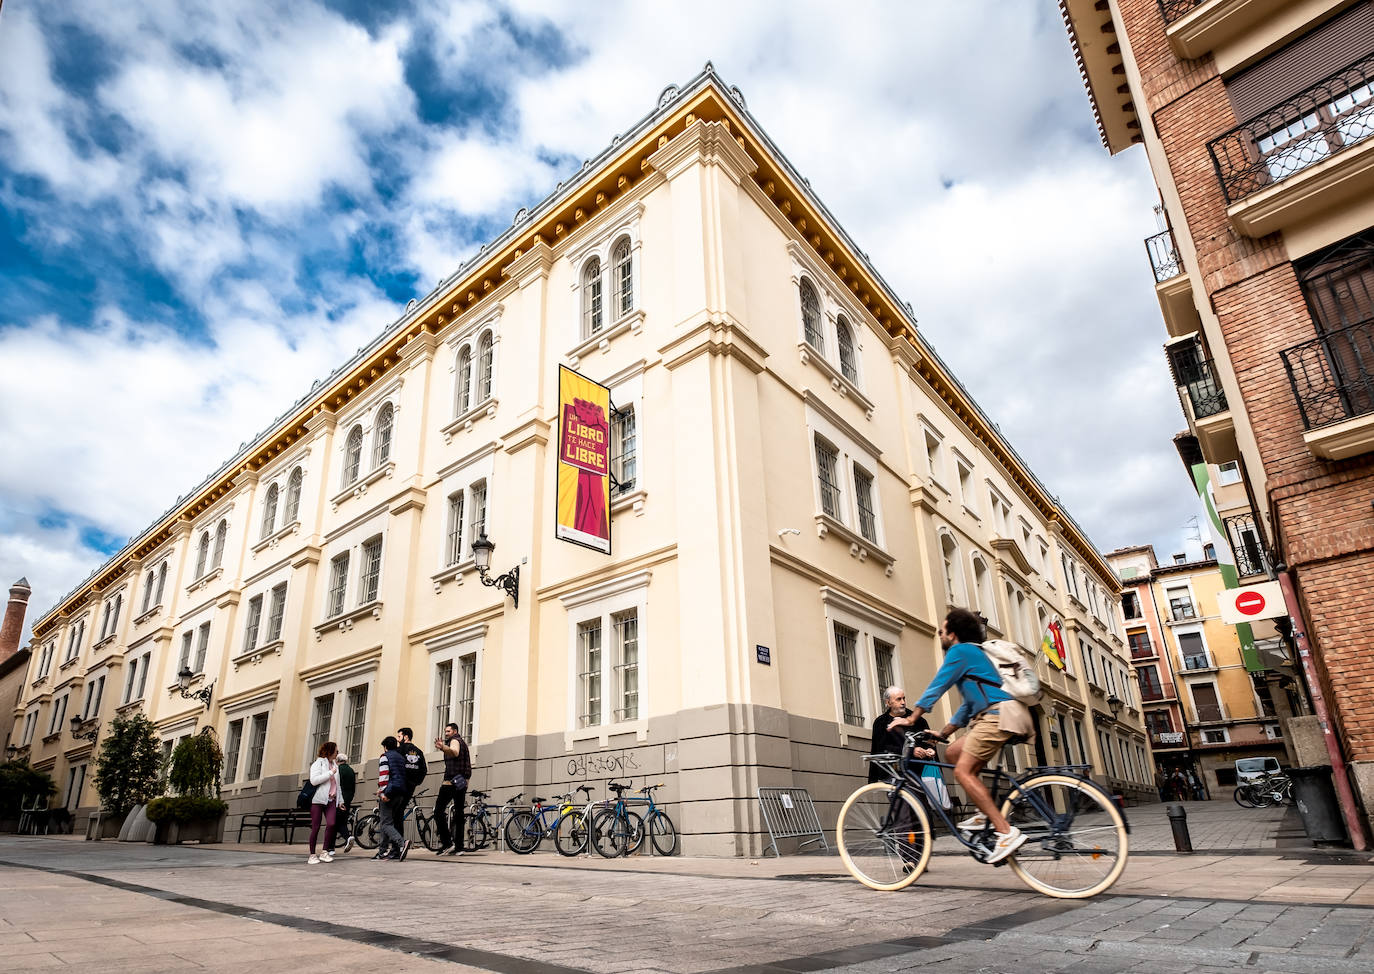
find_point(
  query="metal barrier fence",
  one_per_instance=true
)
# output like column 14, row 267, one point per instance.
column 790, row 813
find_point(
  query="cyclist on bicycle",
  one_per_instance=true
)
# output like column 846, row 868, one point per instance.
column 992, row 716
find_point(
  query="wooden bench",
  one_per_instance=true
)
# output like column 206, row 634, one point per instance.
column 286, row 819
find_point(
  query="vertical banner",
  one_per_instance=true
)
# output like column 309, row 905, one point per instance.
column 584, row 462
column 1226, row 561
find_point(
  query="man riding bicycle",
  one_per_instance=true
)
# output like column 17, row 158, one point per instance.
column 992, row 716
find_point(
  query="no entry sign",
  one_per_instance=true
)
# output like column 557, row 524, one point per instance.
column 1251, row 602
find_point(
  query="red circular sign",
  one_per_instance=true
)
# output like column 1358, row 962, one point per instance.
column 1250, row 603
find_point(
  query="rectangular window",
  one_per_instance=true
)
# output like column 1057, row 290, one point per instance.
column 324, row 720
column 1157, row 722
column 143, row 674
column 1130, row 605
column 624, row 442
column 257, row 742
column 338, row 583
column 202, row 647
column 1215, row 736
column 1180, row 604
column 59, row 713
column 467, row 695
column 1150, row 688
column 827, row 469
column 967, row 495
column 1228, row 473
column 443, row 695
column 1140, row 644
column 250, row 632
column 883, row 654
column 479, row 509
column 1194, row 653
column 1205, row 702
column 589, row 673
column 276, row 612
column 233, row 743
column 371, row 570
column 453, row 543
column 627, row 664
column 76, row 778
column 934, row 459
column 30, row 723
column 863, row 496
column 93, row 701
column 847, row 662
column 356, row 702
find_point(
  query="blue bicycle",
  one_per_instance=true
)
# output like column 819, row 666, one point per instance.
column 1076, row 842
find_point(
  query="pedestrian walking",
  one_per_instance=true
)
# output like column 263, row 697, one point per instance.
column 391, row 793
column 348, row 785
column 415, row 770
column 457, row 771
column 324, row 806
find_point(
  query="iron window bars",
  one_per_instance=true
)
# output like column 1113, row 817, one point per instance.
column 1332, row 376
column 1308, row 128
column 1163, row 255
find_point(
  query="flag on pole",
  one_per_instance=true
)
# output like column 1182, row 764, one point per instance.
column 1053, row 643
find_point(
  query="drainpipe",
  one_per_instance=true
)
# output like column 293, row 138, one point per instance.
column 1333, row 746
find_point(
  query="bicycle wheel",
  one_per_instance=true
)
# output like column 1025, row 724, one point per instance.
column 1261, row 796
column 480, row 833
column 662, row 833
column 1080, row 849
column 522, row 833
column 365, row 831
column 570, row 834
column 1242, row 796
column 884, row 847
column 429, row 835
column 616, row 834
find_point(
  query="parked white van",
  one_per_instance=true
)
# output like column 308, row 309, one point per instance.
column 1250, row 769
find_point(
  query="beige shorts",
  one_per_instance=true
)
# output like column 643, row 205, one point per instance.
column 984, row 737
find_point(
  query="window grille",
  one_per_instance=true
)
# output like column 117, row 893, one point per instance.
column 589, row 673
column 627, row 663
column 184, row 662
column 811, row 317
column 846, row 656
column 484, row 366
column 467, row 695
column 381, row 436
column 202, row 647
column 443, row 695
column 250, row 632
column 479, row 509
column 257, row 741
column 372, row 571
column 233, row 742
column 623, row 449
column 453, row 545
column 324, row 719
column 827, row 469
column 269, row 511
column 353, row 455
column 883, row 654
column 863, row 495
column 357, row 719
column 622, row 272
column 849, row 366
column 338, row 583
column 591, row 299
column 464, row 380
column 276, row 612
column 293, row 497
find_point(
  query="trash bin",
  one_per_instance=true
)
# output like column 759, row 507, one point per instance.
column 1315, row 796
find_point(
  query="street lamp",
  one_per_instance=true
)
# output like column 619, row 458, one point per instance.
column 184, row 685
column 90, row 735
column 508, row 583
column 1115, row 703
column 11, row 751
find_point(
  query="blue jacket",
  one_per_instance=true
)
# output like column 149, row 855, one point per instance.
column 963, row 661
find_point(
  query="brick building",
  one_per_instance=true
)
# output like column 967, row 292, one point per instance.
column 1256, row 120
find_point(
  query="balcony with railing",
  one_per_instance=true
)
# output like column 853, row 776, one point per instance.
column 1168, row 739
column 1181, row 610
column 1332, row 377
column 1204, row 400
column 1209, row 713
column 1173, row 10
column 1163, row 254
column 1246, row 545
column 1196, row 661
column 1306, row 155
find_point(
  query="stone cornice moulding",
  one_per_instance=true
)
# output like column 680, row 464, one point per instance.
column 344, row 621
column 256, row 654
column 419, row 349
column 251, row 699
column 360, row 486
column 275, row 537
column 410, row 499
column 847, row 603
column 459, row 638
column 364, row 661
column 619, row 218
column 859, row 546
column 1012, row 550
column 482, row 452
column 707, row 143
column 632, row 322
column 281, row 467
column 309, row 555
column 718, row 334
column 815, row 402
column 364, row 403
column 322, row 423
column 219, row 512
column 607, row 589
column 845, row 387
column 464, row 421
column 473, row 322
column 372, row 512
column 533, row 432
column 162, row 634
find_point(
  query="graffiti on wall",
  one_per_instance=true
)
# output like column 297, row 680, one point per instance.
column 616, row 764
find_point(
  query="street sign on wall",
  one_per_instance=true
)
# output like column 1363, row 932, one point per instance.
column 1250, row 603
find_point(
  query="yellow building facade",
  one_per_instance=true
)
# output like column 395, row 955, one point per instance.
column 803, row 488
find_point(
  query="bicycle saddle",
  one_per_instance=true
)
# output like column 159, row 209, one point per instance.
column 586, row 789
column 479, row 794
column 612, row 786
column 539, row 801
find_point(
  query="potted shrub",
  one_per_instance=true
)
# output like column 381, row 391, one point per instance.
column 19, row 785
column 126, row 770
column 195, row 813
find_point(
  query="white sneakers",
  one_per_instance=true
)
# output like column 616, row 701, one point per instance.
column 326, row 856
column 1006, row 844
column 317, row 859
column 314, row 860
column 974, row 823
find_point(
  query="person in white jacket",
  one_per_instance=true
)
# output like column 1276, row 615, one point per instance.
column 324, row 775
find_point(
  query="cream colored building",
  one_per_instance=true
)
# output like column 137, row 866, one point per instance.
column 800, row 472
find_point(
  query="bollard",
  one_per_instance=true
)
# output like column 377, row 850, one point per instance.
column 1178, row 821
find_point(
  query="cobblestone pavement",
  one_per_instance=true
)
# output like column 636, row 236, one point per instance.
column 249, row 908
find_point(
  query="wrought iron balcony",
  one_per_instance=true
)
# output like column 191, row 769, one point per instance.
column 1246, row 545
column 1333, row 376
column 1308, row 128
column 1209, row 713
column 1177, row 9
column 1194, row 372
column 1163, row 256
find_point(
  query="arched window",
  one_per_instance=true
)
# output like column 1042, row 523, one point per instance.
column 592, row 319
column 848, row 364
column 484, row 354
column 381, row 436
column 811, row 317
column 221, row 534
column 161, row 582
column 982, row 587
column 293, row 496
column 353, row 455
column 622, row 273
column 269, row 511
column 148, row 582
column 1043, row 625
column 954, row 573
column 114, row 617
column 464, row 377
column 203, row 555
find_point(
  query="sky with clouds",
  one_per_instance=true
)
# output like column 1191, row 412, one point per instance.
column 205, row 206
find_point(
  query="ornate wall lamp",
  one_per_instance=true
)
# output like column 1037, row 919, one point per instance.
column 184, row 685
column 508, row 583
column 89, row 735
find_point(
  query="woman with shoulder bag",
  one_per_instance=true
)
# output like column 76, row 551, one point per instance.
column 324, row 806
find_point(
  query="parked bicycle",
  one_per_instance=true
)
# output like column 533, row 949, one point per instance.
column 1077, row 839
column 1268, row 789
column 526, row 829
column 573, row 826
column 616, row 830
column 662, row 831
column 481, row 828
column 367, row 828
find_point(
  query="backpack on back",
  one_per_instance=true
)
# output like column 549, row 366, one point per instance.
column 1018, row 678
column 416, row 767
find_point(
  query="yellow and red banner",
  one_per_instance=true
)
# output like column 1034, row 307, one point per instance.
column 584, row 461
column 1052, row 644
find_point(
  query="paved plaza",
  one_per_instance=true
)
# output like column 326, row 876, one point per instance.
column 1273, row 905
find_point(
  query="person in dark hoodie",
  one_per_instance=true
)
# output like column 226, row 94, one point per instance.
column 391, row 795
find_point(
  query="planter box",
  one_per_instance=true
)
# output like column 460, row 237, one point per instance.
column 109, row 827
column 202, row 831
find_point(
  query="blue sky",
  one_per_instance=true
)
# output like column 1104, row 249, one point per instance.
column 202, row 210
